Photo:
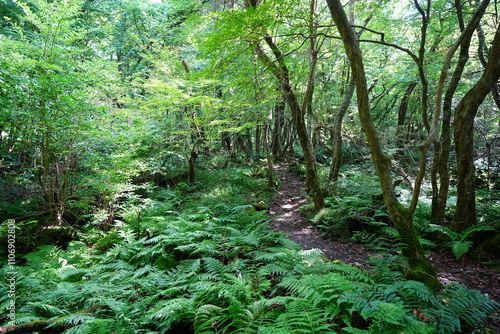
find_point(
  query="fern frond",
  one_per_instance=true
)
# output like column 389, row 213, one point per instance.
column 72, row 320
column 353, row 330
column 459, row 248
column 214, row 266
column 209, row 318
column 414, row 293
column 274, row 269
column 167, row 312
column 298, row 288
column 271, row 329
column 71, row 274
column 95, row 326
column 445, row 230
column 46, row 310
column 352, row 273
column 144, row 271
column 463, row 307
column 302, row 318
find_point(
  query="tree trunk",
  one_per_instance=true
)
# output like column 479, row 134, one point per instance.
column 442, row 150
column 228, row 145
column 258, row 131
column 465, row 215
column 483, row 48
column 192, row 161
column 269, row 157
column 420, row 268
column 403, row 110
column 279, row 111
column 337, row 132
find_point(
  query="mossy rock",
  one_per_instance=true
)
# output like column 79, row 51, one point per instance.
column 261, row 206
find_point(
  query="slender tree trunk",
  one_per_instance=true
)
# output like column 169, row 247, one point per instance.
column 248, row 139
column 483, row 48
column 420, row 61
column 228, row 145
column 402, row 112
column 258, row 131
column 337, row 131
column 442, row 149
column 279, row 111
column 192, row 160
column 465, row 215
column 269, row 157
column 420, row 268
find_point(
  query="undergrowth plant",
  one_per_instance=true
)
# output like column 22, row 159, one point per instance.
column 218, row 268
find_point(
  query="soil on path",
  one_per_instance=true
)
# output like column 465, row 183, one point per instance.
column 287, row 219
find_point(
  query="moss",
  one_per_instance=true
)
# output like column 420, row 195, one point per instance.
column 421, row 274
column 261, row 206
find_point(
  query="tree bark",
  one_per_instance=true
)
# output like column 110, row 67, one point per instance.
column 402, row 111
column 279, row 110
column 258, row 131
column 337, row 131
column 442, row 150
column 465, row 215
column 420, row 268
column 483, row 48
column 269, row 157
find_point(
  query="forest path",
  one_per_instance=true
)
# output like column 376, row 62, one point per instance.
column 287, row 219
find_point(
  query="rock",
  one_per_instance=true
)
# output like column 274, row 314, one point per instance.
column 261, row 206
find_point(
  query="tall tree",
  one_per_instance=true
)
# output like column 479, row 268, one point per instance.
column 280, row 69
column 465, row 215
column 421, row 269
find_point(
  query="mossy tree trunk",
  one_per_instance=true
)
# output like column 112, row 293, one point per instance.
column 337, row 132
column 465, row 215
column 279, row 121
column 440, row 168
column 420, row 268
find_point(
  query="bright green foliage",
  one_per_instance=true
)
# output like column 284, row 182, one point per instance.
column 103, row 102
column 48, row 82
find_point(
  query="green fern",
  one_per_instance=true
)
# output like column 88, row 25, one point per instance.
column 459, row 243
column 462, row 309
column 72, row 320
column 303, row 318
column 46, row 310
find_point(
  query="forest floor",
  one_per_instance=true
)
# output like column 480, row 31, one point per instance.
column 287, row 219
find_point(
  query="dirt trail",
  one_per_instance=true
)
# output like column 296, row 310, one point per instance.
column 288, row 220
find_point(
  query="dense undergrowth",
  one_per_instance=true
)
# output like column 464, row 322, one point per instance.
column 199, row 259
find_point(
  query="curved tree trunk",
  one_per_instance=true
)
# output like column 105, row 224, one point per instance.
column 420, row 268
column 465, row 215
